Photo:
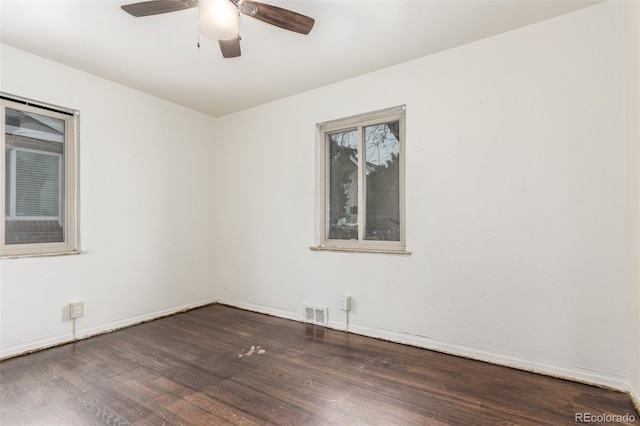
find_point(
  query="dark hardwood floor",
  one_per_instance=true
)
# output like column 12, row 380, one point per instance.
column 220, row 365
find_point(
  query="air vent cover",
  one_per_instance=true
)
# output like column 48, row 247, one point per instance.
column 316, row 314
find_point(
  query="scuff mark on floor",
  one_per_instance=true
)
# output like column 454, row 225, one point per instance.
column 253, row 350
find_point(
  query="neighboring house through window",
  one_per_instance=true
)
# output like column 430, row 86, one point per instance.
column 40, row 187
column 362, row 182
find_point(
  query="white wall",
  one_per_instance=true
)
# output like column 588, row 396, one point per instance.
column 632, row 54
column 146, row 211
column 515, row 202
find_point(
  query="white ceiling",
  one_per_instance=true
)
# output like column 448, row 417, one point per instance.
column 159, row 54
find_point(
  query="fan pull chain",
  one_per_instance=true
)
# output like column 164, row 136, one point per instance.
column 198, row 37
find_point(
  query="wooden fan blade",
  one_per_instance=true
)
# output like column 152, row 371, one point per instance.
column 155, row 7
column 230, row 48
column 277, row 16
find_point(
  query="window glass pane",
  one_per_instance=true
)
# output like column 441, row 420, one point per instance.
column 37, row 184
column 382, row 185
column 343, row 185
column 33, row 178
column 34, row 126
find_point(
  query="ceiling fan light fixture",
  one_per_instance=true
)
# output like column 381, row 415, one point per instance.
column 218, row 19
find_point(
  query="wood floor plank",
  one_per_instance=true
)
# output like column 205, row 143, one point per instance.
column 219, row 365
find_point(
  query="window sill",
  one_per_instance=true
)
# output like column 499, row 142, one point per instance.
column 23, row 256
column 359, row 250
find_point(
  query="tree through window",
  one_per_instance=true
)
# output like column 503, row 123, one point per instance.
column 362, row 176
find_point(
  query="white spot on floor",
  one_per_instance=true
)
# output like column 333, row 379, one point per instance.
column 252, row 350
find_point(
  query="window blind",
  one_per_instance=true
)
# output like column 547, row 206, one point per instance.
column 37, row 184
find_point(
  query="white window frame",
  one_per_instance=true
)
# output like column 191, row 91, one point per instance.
column 345, row 124
column 70, row 187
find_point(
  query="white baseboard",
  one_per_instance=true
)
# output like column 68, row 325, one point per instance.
column 263, row 309
column 276, row 312
column 35, row 345
column 127, row 322
column 83, row 333
column 574, row 374
column 570, row 373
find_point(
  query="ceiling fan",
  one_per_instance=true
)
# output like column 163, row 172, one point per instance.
column 218, row 19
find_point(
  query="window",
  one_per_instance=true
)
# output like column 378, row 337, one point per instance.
column 40, row 187
column 362, row 182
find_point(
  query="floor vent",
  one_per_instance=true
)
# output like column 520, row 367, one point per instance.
column 316, row 314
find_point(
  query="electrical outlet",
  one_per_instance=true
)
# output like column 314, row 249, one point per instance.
column 345, row 302
column 76, row 310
